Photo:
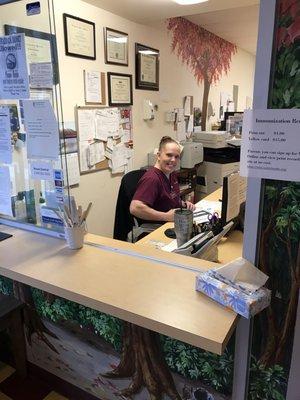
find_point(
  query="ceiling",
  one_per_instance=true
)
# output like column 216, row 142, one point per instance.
column 233, row 20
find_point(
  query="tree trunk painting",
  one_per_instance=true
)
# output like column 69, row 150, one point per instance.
column 205, row 104
column 32, row 321
column 142, row 359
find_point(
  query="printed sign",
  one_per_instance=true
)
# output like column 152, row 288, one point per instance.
column 14, row 81
column 271, row 144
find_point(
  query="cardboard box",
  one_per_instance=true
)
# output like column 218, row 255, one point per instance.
column 236, row 285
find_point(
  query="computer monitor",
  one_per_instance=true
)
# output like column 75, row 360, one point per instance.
column 233, row 197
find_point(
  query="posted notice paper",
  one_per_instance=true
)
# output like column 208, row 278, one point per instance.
column 270, row 144
column 14, row 81
column 41, row 75
column 5, row 192
column 5, row 136
column 41, row 170
column 42, row 130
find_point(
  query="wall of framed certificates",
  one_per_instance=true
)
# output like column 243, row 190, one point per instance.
column 108, row 61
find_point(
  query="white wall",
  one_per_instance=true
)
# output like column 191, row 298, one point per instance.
column 175, row 82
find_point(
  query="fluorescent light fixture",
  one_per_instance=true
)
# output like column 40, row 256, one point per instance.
column 188, row 2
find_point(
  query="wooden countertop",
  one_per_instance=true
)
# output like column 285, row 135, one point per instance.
column 146, row 292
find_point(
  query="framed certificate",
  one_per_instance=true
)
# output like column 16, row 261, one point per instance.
column 115, row 47
column 119, row 89
column 146, row 67
column 79, row 37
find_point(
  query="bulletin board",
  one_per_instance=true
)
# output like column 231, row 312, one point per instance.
column 102, row 131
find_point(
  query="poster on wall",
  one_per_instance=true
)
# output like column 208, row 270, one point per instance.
column 14, row 81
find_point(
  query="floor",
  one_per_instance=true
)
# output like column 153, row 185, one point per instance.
column 13, row 388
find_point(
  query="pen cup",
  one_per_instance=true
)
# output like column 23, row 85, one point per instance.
column 183, row 225
column 74, row 236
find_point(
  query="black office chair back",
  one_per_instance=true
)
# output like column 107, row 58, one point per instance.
column 123, row 219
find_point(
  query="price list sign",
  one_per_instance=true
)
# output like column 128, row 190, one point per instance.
column 271, row 144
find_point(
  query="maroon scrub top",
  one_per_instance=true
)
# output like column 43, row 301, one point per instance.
column 158, row 191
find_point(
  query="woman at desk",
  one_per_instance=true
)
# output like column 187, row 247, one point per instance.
column 157, row 195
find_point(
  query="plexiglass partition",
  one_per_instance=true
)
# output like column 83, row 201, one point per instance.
column 33, row 177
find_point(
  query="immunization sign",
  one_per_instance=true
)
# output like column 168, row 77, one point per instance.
column 271, row 144
column 14, row 82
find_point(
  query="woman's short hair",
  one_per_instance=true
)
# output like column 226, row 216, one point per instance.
column 165, row 140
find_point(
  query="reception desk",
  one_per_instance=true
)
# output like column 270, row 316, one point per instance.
column 138, row 284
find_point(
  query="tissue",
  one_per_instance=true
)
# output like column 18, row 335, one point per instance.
column 237, row 285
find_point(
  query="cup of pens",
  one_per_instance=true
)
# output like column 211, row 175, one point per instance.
column 74, row 219
column 74, row 236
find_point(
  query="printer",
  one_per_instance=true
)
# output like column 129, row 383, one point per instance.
column 191, row 154
column 211, row 139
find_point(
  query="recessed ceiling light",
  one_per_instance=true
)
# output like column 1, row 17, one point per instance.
column 188, row 2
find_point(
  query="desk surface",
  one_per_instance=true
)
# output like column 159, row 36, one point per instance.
column 146, row 292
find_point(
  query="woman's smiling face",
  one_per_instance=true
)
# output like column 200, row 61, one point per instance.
column 168, row 157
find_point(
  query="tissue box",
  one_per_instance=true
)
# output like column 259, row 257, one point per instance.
column 243, row 302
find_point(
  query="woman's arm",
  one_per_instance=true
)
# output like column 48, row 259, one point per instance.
column 142, row 211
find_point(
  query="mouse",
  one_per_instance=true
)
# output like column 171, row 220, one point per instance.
column 170, row 233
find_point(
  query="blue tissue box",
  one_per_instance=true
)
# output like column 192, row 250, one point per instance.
column 241, row 301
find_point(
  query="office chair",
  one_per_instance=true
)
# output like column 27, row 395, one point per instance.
column 127, row 227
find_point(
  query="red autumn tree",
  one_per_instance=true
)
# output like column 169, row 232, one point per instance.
column 207, row 55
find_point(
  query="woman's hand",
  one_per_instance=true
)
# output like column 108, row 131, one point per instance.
column 188, row 205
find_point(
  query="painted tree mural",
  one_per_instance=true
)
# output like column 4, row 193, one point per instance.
column 207, row 55
column 279, row 253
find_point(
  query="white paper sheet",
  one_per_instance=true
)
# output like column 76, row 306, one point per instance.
column 95, row 153
column 83, row 156
column 188, row 102
column 171, row 246
column 107, row 123
column 5, row 192
column 270, row 144
column 41, row 170
column 42, row 130
column 14, row 81
column 119, row 156
column 86, row 125
column 209, row 207
column 92, row 86
column 73, row 169
column 41, row 75
column 180, row 125
column 5, row 136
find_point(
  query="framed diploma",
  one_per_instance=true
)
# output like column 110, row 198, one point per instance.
column 115, row 47
column 79, row 37
column 146, row 67
column 119, row 89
